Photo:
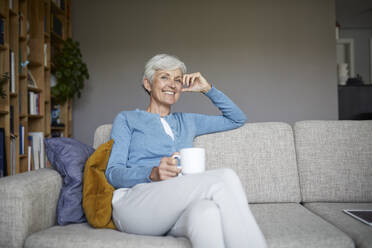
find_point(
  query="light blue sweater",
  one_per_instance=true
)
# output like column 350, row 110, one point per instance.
column 140, row 141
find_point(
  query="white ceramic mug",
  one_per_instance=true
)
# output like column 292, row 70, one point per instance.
column 192, row 160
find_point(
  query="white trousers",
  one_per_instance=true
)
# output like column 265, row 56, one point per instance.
column 209, row 208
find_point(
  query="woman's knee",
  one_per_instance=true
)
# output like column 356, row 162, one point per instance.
column 203, row 224
column 228, row 175
column 202, row 213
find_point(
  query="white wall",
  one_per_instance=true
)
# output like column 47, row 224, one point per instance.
column 275, row 59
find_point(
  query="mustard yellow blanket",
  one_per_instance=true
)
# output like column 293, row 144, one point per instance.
column 97, row 192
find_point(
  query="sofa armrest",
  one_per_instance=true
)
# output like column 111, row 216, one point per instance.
column 28, row 203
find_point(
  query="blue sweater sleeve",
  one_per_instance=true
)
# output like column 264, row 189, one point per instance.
column 118, row 173
column 232, row 116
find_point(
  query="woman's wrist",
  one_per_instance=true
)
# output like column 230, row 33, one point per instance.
column 207, row 88
column 154, row 175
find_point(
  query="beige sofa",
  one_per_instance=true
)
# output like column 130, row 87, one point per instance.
column 297, row 181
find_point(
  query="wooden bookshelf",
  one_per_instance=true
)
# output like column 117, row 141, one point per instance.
column 28, row 42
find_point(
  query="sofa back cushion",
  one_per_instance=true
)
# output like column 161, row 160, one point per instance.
column 262, row 154
column 102, row 135
column 335, row 160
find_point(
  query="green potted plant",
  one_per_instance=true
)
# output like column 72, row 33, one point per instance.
column 70, row 71
column 4, row 78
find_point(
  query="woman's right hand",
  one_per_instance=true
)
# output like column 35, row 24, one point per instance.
column 167, row 169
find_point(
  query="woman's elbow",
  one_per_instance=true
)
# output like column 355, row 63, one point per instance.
column 108, row 175
column 242, row 120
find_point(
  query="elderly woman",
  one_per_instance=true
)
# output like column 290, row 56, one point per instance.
column 209, row 208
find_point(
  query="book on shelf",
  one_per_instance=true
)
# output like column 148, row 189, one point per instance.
column 45, row 23
column 21, row 139
column 11, row 4
column 33, row 103
column 36, row 140
column 2, row 153
column 29, row 156
column 20, row 101
column 11, row 111
column 32, row 155
column 45, row 54
column 31, row 80
column 59, row 3
column 12, row 155
column 68, row 12
column 56, row 25
column 30, row 101
column 20, row 68
column 20, row 23
column 28, row 26
column 28, row 49
column 1, row 31
column 12, row 72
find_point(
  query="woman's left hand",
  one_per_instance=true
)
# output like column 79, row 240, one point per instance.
column 195, row 82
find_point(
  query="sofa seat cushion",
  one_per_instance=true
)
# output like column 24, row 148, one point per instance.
column 333, row 213
column 292, row 225
column 83, row 235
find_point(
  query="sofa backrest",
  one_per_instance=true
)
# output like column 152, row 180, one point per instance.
column 262, row 154
column 334, row 160
column 102, row 135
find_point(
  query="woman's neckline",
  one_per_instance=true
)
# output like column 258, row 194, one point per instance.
column 154, row 114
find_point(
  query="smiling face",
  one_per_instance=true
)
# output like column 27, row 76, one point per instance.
column 165, row 88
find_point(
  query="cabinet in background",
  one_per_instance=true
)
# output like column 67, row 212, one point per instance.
column 355, row 102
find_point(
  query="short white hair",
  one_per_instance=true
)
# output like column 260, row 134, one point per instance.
column 162, row 62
